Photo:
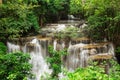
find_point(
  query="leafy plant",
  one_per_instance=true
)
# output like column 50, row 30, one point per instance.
column 115, row 70
column 16, row 18
column 117, row 54
column 71, row 32
column 14, row 66
column 77, row 8
column 94, row 72
column 103, row 18
column 117, row 50
column 55, row 61
column 101, row 22
column 3, row 48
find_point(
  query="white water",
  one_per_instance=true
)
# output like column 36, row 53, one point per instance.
column 40, row 67
column 78, row 55
column 55, row 44
column 63, row 45
column 84, row 58
column 60, row 27
column 12, row 47
column 111, row 49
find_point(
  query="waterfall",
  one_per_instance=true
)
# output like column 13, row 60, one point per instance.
column 84, row 58
column 36, row 51
column 40, row 67
column 58, row 46
column 76, row 56
column 55, row 44
column 111, row 49
column 60, row 27
column 80, row 53
column 63, row 45
column 12, row 47
column 79, row 50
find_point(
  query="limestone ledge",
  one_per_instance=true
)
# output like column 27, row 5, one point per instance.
column 101, row 56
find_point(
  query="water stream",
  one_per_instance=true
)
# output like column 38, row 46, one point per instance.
column 38, row 52
column 79, row 52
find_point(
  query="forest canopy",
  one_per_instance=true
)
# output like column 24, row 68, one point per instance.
column 18, row 18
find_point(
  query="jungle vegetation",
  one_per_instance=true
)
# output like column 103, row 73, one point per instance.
column 20, row 17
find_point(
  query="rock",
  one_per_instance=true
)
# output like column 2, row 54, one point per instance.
column 101, row 56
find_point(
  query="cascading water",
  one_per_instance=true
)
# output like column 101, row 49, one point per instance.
column 79, row 52
column 55, row 44
column 34, row 48
column 84, row 58
column 58, row 46
column 13, row 47
column 40, row 67
column 77, row 56
column 111, row 49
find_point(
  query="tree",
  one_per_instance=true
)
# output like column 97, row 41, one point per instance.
column 50, row 10
column 16, row 18
column 14, row 66
column 103, row 18
column 55, row 61
column 94, row 72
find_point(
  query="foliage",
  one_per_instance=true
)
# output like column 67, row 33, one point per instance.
column 94, row 72
column 55, row 61
column 77, row 7
column 115, row 70
column 19, row 17
column 16, row 18
column 49, row 10
column 103, row 19
column 51, row 5
column 68, row 32
column 117, row 50
column 14, row 66
column 2, row 48
column 89, row 73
